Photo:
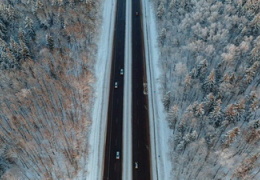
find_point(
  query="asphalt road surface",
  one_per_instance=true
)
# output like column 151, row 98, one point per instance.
column 113, row 166
column 140, row 121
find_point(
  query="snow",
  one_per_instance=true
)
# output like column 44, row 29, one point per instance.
column 102, row 71
column 127, row 111
column 159, row 130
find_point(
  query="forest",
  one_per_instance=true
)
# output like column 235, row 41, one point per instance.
column 210, row 62
column 47, row 55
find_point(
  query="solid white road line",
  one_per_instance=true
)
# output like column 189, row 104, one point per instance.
column 127, row 111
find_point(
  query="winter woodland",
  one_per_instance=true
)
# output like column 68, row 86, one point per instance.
column 210, row 59
column 47, row 50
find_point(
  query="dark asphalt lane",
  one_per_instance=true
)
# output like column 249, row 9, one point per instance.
column 113, row 166
column 140, row 121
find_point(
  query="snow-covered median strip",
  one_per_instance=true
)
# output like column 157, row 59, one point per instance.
column 127, row 111
column 102, row 71
column 159, row 130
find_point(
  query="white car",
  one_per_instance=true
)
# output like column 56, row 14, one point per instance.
column 136, row 165
column 116, row 84
column 117, row 155
column 122, row 72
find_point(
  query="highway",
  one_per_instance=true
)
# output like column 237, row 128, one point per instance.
column 140, row 121
column 113, row 166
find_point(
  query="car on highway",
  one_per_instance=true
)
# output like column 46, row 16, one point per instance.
column 116, row 84
column 117, row 155
column 136, row 13
column 136, row 165
column 122, row 72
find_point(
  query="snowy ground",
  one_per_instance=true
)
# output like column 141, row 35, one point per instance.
column 99, row 116
column 159, row 130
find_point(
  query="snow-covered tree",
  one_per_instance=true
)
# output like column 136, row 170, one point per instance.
column 160, row 10
column 166, row 100
column 50, row 42
column 173, row 116
column 210, row 82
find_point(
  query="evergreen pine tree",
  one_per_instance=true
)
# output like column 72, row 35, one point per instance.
column 50, row 42
column 3, row 29
column 29, row 27
column 166, row 100
column 209, row 84
column 25, row 53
